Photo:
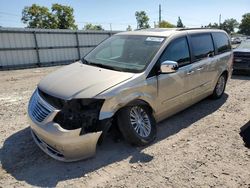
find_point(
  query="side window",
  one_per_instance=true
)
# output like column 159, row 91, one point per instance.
column 221, row 42
column 202, row 46
column 178, row 51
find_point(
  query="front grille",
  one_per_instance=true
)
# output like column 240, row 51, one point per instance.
column 38, row 109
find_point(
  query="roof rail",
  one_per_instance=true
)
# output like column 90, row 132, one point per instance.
column 198, row 28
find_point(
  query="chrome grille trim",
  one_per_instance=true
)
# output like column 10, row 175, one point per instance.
column 39, row 109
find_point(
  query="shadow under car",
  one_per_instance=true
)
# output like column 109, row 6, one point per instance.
column 23, row 160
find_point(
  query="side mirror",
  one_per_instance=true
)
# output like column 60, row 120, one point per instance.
column 169, row 67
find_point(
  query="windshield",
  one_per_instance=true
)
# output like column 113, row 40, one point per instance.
column 127, row 53
column 245, row 44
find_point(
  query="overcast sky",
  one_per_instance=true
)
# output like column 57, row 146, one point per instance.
column 121, row 13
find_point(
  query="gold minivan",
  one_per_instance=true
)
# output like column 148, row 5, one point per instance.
column 134, row 78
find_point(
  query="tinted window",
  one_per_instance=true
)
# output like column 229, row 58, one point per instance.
column 222, row 42
column 202, row 45
column 177, row 51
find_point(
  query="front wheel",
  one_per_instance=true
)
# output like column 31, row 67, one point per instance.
column 220, row 87
column 137, row 125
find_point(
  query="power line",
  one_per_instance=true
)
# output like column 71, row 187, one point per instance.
column 9, row 14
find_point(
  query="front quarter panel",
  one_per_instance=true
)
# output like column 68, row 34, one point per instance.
column 136, row 89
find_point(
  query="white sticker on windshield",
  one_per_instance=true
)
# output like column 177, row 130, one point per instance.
column 154, row 39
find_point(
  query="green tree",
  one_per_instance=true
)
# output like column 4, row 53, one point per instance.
column 245, row 24
column 129, row 28
column 214, row 25
column 229, row 25
column 142, row 20
column 165, row 24
column 37, row 16
column 61, row 17
column 179, row 23
column 64, row 16
column 93, row 27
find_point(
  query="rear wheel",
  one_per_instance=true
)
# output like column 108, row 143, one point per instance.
column 220, row 87
column 137, row 125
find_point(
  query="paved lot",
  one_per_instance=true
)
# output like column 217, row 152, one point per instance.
column 199, row 147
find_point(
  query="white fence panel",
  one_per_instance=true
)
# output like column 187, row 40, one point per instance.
column 91, row 40
column 56, row 40
column 57, row 55
column 21, row 48
column 16, row 40
column 18, row 58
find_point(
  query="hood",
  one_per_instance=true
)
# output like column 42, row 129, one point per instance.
column 81, row 81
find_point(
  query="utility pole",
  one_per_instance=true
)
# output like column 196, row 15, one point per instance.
column 159, row 14
column 110, row 26
column 220, row 21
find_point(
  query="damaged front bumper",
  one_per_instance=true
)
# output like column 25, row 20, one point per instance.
column 64, row 145
column 55, row 140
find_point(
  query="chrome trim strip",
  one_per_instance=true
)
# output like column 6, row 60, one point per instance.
column 47, row 148
column 39, row 110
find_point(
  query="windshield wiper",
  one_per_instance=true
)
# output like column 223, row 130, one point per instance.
column 104, row 66
column 85, row 61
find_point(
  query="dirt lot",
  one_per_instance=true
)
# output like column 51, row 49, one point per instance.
column 199, row 147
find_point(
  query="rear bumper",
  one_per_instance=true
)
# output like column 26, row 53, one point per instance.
column 64, row 145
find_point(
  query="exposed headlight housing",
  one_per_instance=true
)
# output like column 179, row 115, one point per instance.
column 80, row 113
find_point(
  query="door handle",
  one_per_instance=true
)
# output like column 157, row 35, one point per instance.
column 211, row 54
column 200, row 68
column 190, row 72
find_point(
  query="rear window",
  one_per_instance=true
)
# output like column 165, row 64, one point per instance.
column 221, row 42
column 202, row 46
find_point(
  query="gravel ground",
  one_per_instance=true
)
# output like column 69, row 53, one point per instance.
column 199, row 147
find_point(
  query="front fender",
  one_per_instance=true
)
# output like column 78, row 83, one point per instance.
column 112, row 105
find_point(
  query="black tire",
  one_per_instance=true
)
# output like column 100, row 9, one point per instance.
column 218, row 94
column 128, row 131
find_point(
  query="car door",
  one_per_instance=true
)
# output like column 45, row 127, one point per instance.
column 175, row 89
column 203, row 61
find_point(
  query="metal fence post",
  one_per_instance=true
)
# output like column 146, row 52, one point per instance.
column 78, row 46
column 37, row 49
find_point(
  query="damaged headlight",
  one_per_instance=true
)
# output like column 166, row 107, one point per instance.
column 80, row 113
